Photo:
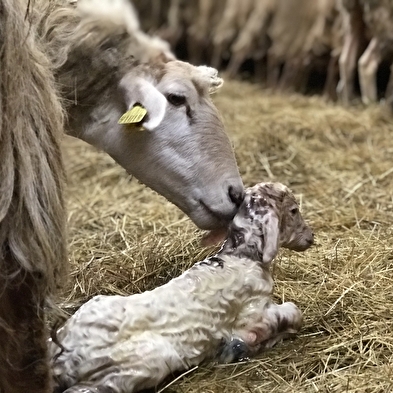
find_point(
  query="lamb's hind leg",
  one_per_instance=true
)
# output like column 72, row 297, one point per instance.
column 140, row 364
column 276, row 323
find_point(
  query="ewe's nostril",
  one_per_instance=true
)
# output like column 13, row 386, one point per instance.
column 236, row 195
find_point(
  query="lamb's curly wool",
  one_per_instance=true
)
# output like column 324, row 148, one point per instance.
column 125, row 344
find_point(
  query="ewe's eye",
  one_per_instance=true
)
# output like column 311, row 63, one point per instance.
column 176, row 99
column 294, row 210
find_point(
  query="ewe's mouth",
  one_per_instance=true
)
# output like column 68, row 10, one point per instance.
column 222, row 220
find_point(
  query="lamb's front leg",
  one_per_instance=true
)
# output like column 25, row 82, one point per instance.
column 285, row 320
column 257, row 332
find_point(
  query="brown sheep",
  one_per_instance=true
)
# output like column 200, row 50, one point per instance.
column 32, row 214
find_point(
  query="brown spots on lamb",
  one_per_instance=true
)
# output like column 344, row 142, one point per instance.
column 268, row 209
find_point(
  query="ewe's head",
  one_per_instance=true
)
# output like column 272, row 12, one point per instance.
column 268, row 218
column 179, row 148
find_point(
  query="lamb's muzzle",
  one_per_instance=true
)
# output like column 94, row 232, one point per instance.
column 126, row 344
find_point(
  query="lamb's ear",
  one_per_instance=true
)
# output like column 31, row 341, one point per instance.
column 139, row 91
column 271, row 236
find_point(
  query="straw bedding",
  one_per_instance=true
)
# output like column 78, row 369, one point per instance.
column 125, row 239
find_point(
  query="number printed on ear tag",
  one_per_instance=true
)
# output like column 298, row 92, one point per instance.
column 133, row 116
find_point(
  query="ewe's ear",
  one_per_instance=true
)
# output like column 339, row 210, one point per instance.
column 271, row 235
column 140, row 91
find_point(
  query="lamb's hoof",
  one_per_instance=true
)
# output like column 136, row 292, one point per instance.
column 233, row 351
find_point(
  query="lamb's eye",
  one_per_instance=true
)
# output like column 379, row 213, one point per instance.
column 176, row 99
column 294, row 210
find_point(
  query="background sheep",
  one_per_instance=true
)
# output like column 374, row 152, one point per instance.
column 305, row 45
column 125, row 344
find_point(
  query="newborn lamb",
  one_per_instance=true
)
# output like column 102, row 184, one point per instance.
column 116, row 344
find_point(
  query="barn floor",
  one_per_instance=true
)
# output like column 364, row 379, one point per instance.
column 124, row 239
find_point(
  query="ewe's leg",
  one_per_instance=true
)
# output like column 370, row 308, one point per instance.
column 367, row 67
column 23, row 360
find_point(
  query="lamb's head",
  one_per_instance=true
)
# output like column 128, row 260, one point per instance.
column 268, row 218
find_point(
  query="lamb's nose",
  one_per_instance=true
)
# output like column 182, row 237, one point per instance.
column 236, row 195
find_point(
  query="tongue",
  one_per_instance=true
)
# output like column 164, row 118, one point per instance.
column 214, row 237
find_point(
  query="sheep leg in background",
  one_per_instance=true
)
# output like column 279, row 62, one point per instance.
column 289, row 70
column 235, row 63
column 218, row 50
column 301, row 82
column 197, row 34
column 389, row 90
column 173, row 31
column 259, row 70
column 225, row 31
column 368, row 67
column 347, row 64
column 329, row 90
column 273, row 71
column 293, row 76
column 253, row 36
column 353, row 40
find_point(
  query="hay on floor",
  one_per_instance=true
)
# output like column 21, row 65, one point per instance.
column 125, row 239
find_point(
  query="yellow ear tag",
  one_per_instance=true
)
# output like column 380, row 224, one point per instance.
column 134, row 116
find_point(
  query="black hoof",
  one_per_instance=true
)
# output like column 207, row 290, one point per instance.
column 233, row 351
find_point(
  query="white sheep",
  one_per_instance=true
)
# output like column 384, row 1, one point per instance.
column 104, row 66
column 234, row 17
column 118, row 344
